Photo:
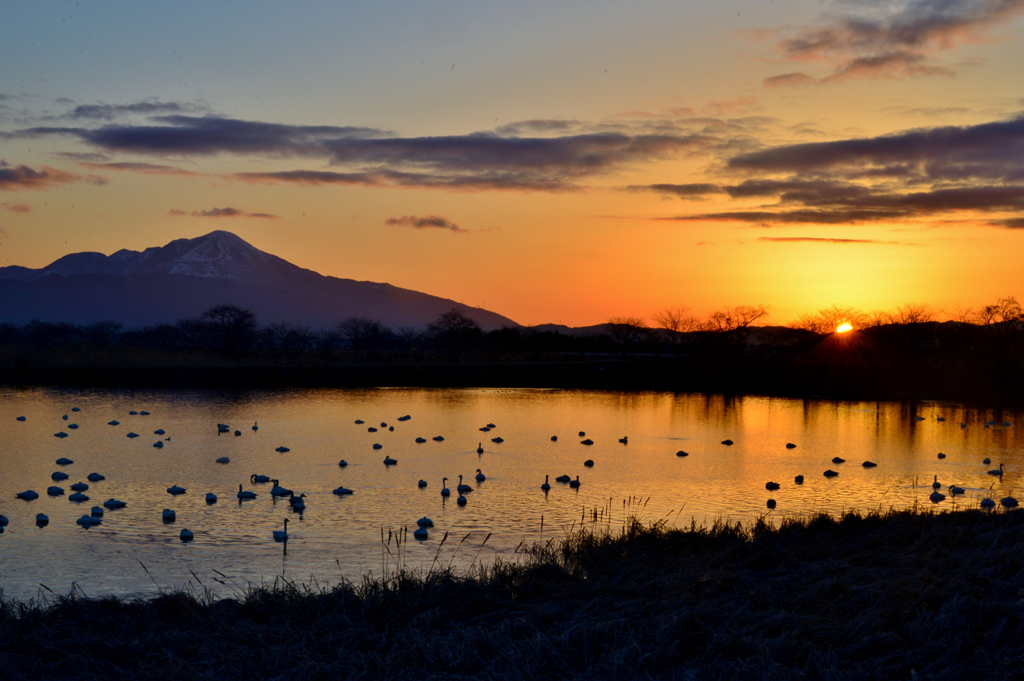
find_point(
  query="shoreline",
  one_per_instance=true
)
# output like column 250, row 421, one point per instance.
column 783, row 379
column 883, row 595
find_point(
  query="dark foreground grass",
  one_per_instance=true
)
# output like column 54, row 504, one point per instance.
column 899, row 595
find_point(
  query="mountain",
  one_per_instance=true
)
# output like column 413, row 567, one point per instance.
column 188, row 276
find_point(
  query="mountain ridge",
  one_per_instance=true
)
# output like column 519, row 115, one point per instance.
column 187, row 276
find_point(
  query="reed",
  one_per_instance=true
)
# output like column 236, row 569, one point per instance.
column 883, row 595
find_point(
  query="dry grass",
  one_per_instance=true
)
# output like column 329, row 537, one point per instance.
column 896, row 595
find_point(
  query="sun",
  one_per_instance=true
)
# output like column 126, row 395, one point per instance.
column 844, row 328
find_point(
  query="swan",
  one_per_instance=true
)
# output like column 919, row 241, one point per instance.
column 624, row 440
column 20, row 418
column 583, row 434
column 682, row 453
column 727, row 442
column 278, row 491
column 342, row 491
column 587, row 442
column 480, row 477
column 438, row 438
column 55, row 491
column 223, row 459
column 388, row 461
column 491, row 425
column 421, row 440
column 186, row 534
column 790, row 445
column 563, row 478
column 986, row 460
column 59, row 475
column 830, row 473
column 421, row 533
column 936, row 497
column 168, row 516
column 359, row 422
column 377, row 445
column 941, row 455
column 96, row 511
column 114, row 503
column 4, row 520
column 771, row 503
column 462, row 487
column 422, row 483
column 282, row 450
column 297, row 503
column 425, row 522
column 836, row 459
column 935, row 482
column 64, row 461
column 485, row 429
column 41, row 519
column 771, row 486
column 461, row 501
column 342, row 463
column 554, row 438
column 255, row 425
column 158, row 444
column 131, row 413
column 175, row 489
column 95, row 477
column 246, row 494
column 27, row 495
column 480, row 448
column 954, row 490
column 575, row 484
column 282, row 535
column 497, row 440
column 998, row 472
column 869, row 464
column 88, row 521
column 445, row 492
column 799, row 479
column 259, row 478
column 159, row 431
column 78, row 497
column 988, row 503
column 61, row 434
column 545, row 486
column 404, row 418
column 211, row 498
column 1008, row 502
column 113, row 423
column 79, row 486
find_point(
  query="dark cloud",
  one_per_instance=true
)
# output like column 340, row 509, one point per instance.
column 795, row 217
column 426, row 222
column 14, row 178
column 17, row 207
column 788, row 80
column 682, row 191
column 826, row 240
column 142, row 168
column 109, row 112
column 368, row 156
column 219, row 213
column 82, row 157
column 1009, row 223
column 901, row 42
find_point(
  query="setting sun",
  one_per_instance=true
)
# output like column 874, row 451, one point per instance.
column 843, row 328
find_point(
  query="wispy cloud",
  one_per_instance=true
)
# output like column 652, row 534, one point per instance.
column 891, row 40
column 827, row 240
column 219, row 213
column 682, row 191
column 17, row 207
column 142, row 168
column 148, row 107
column 426, row 222
column 15, row 178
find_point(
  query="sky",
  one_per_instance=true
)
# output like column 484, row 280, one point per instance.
column 553, row 162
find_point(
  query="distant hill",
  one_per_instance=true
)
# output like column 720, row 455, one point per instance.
column 187, row 276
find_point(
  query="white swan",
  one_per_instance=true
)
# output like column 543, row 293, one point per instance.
column 259, row 478
column 342, row 491
column 168, row 516
column 954, row 490
column 255, row 425
column 388, row 461
column 480, row 448
column 422, row 483
column 421, row 533
column 936, row 497
column 480, row 477
column 987, row 503
column 461, row 501
column 997, row 472
column 88, row 521
column 545, row 486
column 114, row 503
column 282, row 535
column 246, row 494
column 95, row 477
column 186, row 534
column 575, row 483
column 425, row 522
column 175, row 489
column 935, row 482
column 1008, row 502
column 41, row 519
column 27, row 495
column 463, row 488
column 445, row 492
column 278, row 491
column 211, row 498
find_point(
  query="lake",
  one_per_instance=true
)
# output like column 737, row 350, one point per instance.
column 339, row 537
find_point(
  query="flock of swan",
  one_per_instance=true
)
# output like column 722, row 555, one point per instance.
column 297, row 501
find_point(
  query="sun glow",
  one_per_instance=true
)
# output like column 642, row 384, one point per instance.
column 844, row 328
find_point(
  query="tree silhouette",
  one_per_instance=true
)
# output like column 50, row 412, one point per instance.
column 676, row 323
column 230, row 327
column 626, row 332
column 454, row 330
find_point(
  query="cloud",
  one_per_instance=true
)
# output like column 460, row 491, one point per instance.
column 890, row 40
column 368, row 156
column 1009, row 223
column 142, row 168
column 219, row 213
column 149, row 107
column 682, row 191
column 826, row 240
column 426, row 222
column 17, row 207
column 15, row 178
column 795, row 79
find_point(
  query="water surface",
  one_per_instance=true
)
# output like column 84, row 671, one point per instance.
column 339, row 538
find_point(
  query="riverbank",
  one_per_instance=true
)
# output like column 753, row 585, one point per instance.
column 883, row 596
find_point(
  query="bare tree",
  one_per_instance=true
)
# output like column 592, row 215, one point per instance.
column 828, row 319
column 1004, row 310
column 626, row 331
column 737, row 318
column 676, row 323
column 912, row 313
column 231, row 327
column 454, row 330
column 360, row 334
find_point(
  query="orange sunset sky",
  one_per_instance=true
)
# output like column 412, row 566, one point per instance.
column 553, row 162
